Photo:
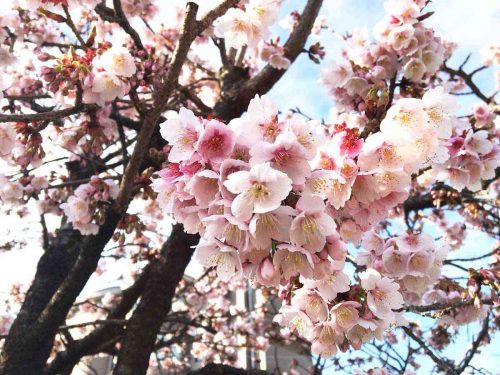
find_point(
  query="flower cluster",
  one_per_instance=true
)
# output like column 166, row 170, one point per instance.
column 249, row 26
column 10, row 191
column 457, row 316
column 491, row 54
column 411, row 259
column 268, row 194
column 333, row 315
column 417, row 48
column 272, row 53
column 474, row 155
column 108, row 79
column 14, row 191
column 84, row 208
column 102, row 77
column 402, row 44
column 413, row 135
column 87, row 134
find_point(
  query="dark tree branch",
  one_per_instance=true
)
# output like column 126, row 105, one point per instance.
column 143, row 326
column 468, row 81
column 441, row 363
column 218, row 369
column 93, row 343
column 196, row 100
column 49, row 115
column 443, row 306
column 72, row 26
column 122, row 20
column 475, row 346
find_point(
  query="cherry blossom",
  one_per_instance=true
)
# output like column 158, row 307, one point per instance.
column 118, row 60
column 182, row 131
column 221, row 256
column 132, row 141
column 260, row 190
column 383, row 295
column 7, row 138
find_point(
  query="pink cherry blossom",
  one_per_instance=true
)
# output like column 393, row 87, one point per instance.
column 267, row 274
column 238, row 28
column 326, row 339
column 181, row 130
column 345, row 315
column 7, row 138
column 477, row 143
column 310, row 228
column 295, row 320
column 481, row 113
column 292, row 261
column 223, row 257
column 395, row 262
column 311, row 303
column 285, row 155
column 259, row 190
column 330, row 286
column 118, row 60
column 383, row 293
column 419, row 263
column 107, row 86
column 259, row 123
column 77, row 211
column 271, row 226
column 204, row 186
column 216, row 142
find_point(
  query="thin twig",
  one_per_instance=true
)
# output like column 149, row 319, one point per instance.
column 475, row 345
column 48, row 116
column 72, row 26
column 122, row 20
column 438, row 361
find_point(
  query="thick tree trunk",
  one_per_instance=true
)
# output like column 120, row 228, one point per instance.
column 155, row 304
column 29, row 344
column 103, row 337
column 218, row 369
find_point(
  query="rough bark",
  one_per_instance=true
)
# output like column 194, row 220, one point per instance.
column 102, row 337
column 28, row 346
column 218, row 369
column 156, row 301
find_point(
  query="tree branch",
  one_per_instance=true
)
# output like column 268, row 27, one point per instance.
column 218, row 369
column 122, row 20
column 94, row 341
column 475, row 345
column 443, row 306
column 468, row 80
column 188, row 33
column 143, row 326
column 48, row 116
column 441, row 363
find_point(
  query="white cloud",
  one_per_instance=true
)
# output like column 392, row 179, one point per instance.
column 472, row 24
